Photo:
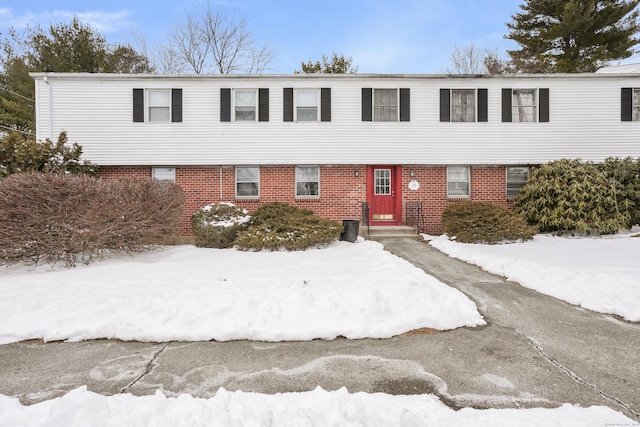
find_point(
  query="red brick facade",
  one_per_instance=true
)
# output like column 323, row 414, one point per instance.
column 342, row 189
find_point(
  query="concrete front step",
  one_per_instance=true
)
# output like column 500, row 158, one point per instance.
column 373, row 232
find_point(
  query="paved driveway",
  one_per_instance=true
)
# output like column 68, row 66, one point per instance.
column 534, row 351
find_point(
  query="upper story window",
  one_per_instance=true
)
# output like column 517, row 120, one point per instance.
column 517, row 177
column 159, row 105
column 386, row 105
column 458, row 181
column 162, row 105
column 307, row 181
column 463, row 105
column 525, row 105
column 247, row 182
column 630, row 108
column 245, row 105
column 307, row 105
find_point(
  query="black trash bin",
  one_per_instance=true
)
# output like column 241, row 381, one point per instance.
column 350, row 233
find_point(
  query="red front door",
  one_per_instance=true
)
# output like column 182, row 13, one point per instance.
column 384, row 194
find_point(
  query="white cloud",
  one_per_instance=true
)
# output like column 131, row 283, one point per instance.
column 104, row 22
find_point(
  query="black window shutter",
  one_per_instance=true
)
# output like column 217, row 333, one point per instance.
column 367, row 107
column 445, row 105
column 263, row 105
column 287, row 107
column 325, row 104
column 507, row 115
column 626, row 104
column 225, row 105
column 483, row 108
column 405, row 105
column 176, row 105
column 138, row 105
column 543, row 95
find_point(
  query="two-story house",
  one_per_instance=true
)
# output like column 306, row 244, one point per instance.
column 341, row 145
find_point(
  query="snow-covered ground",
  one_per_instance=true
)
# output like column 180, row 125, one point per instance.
column 186, row 293
column 354, row 290
column 81, row 408
column 598, row 273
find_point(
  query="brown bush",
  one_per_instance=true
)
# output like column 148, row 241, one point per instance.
column 68, row 219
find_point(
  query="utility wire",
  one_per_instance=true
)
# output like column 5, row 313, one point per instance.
column 16, row 130
column 17, row 94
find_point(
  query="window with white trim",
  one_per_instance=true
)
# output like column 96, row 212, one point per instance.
column 247, row 182
column 524, row 107
column 245, row 105
column 385, row 105
column 159, row 101
column 307, row 181
column 636, row 105
column 517, row 177
column 307, row 105
column 458, row 181
column 164, row 173
column 463, row 105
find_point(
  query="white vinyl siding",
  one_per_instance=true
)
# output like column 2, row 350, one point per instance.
column 585, row 110
column 458, row 182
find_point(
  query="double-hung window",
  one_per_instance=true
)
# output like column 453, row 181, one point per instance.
column 307, row 105
column 630, row 107
column 245, row 105
column 517, row 177
column 157, row 105
column 307, row 181
column 524, row 105
column 458, row 182
column 385, row 105
column 247, row 182
column 463, row 105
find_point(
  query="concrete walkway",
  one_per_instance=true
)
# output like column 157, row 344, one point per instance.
column 535, row 352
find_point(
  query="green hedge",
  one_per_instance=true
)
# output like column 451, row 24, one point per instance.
column 483, row 222
column 217, row 225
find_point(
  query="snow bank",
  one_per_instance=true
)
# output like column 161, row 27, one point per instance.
column 185, row 293
column 600, row 274
column 82, row 408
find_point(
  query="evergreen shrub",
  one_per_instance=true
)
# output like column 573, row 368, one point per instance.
column 218, row 224
column 276, row 226
column 484, row 222
column 576, row 197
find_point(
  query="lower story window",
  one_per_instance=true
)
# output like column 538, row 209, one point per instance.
column 247, row 182
column 307, row 181
column 458, row 181
column 164, row 174
column 517, row 177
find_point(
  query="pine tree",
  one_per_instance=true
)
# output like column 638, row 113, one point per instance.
column 572, row 36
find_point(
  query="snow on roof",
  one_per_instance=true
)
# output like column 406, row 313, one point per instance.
column 624, row 68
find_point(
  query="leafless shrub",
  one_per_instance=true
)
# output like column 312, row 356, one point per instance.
column 68, row 219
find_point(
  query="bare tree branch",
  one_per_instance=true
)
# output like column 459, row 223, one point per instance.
column 466, row 60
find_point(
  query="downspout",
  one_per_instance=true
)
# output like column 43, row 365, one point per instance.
column 220, row 182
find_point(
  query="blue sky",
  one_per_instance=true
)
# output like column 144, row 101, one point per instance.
column 382, row 36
